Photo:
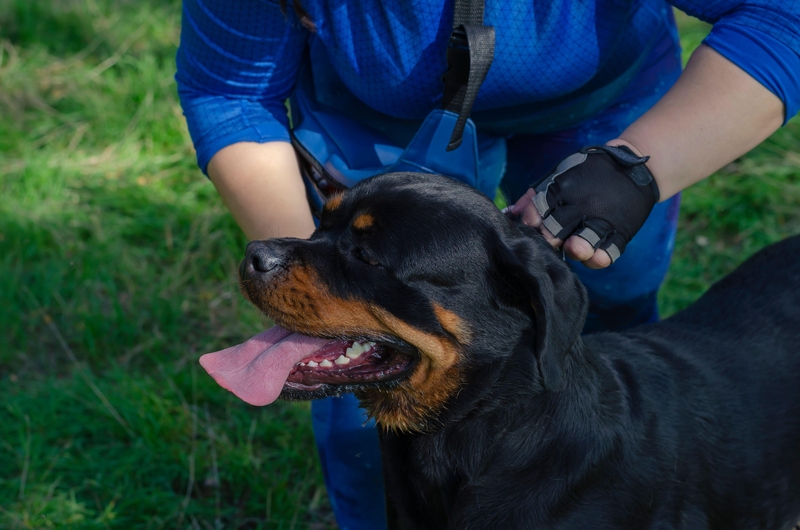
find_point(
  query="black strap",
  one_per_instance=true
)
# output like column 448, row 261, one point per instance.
column 469, row 56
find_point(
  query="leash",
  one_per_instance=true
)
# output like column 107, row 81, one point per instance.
column 470, row 53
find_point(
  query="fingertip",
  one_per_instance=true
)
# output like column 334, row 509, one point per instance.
column 529, row 215
column 600, row 260
column 533, row 220
column 578, row 249
column 553, row 240
column 523, row 201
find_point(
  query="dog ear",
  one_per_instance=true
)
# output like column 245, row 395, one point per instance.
column 558, row 299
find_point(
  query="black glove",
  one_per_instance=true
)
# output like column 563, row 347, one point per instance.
column 602, row 194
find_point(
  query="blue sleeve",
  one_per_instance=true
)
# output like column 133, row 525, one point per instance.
column 236, row 65
column 762, row 37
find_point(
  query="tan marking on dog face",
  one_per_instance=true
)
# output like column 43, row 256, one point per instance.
column 333, row 203
column 299, row 301
column 363, row 221
column 453, row 324
column 414, row 404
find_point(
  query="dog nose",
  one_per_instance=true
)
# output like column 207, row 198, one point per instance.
column 260, row 258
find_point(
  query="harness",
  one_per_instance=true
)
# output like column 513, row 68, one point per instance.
column 335, row 152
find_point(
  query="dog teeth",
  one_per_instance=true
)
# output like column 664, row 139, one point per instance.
column 341, row 360
column 326, row 364
column 358, row 348
column 313, row 364
column 355, row 350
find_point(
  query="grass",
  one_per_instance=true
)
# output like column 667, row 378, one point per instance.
column 117, row 270
column 117, row 267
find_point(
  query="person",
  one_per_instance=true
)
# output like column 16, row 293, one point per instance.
column 565, row 75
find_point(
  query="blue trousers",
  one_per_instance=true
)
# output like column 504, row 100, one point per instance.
column 621, row 296
column 350, row 456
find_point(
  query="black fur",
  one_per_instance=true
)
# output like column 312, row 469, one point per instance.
column 690, row 423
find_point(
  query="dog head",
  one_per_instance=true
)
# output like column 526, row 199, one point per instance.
column 412, row 286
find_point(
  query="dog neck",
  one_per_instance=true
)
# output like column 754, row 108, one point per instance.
column 555, row 434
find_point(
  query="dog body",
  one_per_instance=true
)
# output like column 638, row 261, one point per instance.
column 495, row 413
column 690, row 423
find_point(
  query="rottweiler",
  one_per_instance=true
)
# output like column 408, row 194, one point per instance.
column 460, row 332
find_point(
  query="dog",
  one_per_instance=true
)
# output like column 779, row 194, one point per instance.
column 460, row 332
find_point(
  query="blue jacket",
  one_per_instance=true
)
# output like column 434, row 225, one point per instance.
column 239, row 60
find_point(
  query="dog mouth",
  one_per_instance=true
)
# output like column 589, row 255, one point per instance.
column 280, row 363
column 350, row 362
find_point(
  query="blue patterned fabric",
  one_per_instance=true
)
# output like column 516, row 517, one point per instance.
column 238, row 60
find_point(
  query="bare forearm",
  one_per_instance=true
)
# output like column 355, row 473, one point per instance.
column 715, row 113
column 261, row 186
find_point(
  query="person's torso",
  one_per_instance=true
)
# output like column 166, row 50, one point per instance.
column 391, row 54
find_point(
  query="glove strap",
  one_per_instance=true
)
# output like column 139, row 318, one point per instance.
column 637, row 170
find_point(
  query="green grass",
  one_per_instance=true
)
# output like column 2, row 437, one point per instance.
column 111, row 239
column 117, row 270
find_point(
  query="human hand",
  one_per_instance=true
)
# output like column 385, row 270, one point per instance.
column 593, row 203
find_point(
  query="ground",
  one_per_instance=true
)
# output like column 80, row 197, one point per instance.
column 117, row 270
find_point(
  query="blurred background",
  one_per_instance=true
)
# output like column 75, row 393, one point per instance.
column 118, row 270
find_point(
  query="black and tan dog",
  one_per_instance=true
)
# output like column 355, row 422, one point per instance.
column 459, row 332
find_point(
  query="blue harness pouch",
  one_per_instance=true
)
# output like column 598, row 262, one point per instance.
column 336, row 149
column 336, row 152
column 428, row 152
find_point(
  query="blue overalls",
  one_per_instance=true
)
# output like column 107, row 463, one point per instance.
column 621, row 295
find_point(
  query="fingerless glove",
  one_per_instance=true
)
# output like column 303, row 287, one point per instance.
column 602, row 194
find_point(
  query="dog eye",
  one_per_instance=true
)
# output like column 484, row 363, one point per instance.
column 363, row 255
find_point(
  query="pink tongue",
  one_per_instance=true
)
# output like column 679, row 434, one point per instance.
column 256, row 370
